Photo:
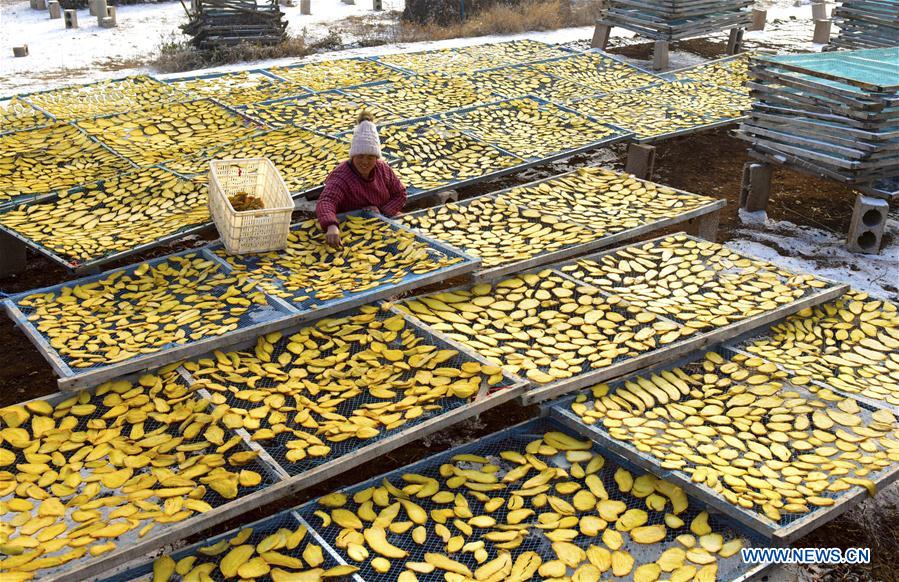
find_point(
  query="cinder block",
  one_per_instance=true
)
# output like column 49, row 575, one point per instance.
column 110, row 12
column 39, row 4
column 819, row 11
column 71, row 18
column 822, row 32
column 869, row 219
column 306, row 7
column 377, row 5
column 20, row 51
column 107, row 22
column 759, row 17
column 55, row 10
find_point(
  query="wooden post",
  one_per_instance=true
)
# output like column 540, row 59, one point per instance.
column 822, row 32
column 734, row 41
column 92, row 7
column 71, row 18
column 756, row 187
column 759, row 17
column 20, row 51
column 39, row 4
column 641, row 159
column 55, row 10
column 660, row 55
column 601, row 36
column 12, row 255
column 306, row 7
column 869, row 218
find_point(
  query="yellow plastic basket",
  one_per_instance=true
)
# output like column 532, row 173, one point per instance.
column 251, row 231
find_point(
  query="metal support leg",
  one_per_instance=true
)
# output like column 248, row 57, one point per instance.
column 734, row 41
column 756, row 187
column 641, row 159
column 601, row 36
column 660, row 55
column 12, row 255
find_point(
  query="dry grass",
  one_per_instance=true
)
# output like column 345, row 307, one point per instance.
column 178, row 56
column 502, row 19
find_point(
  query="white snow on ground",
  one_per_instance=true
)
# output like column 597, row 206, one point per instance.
column 823, row 253
column 93, row 53
column 62, row 57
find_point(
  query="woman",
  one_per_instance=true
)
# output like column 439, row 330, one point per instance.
column 364, row 181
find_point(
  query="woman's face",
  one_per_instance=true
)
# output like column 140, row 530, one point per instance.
column 365, row 163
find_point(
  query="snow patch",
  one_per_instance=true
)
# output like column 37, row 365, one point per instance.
column 824, row 253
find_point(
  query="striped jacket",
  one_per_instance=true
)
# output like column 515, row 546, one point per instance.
column 345, row 190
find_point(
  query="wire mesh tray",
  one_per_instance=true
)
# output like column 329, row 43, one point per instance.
column 238, row 88
column 105, row 97
column 734, row 70
column 534, row 129
column 255, row 319
column 515, row 81
column 16, row 114
column 432, row 156
column 622, row 339
column 261, row 529
column 796, row 345
column 489, row 448
column 61, row 155
column 318, row 437
column 421, row 95
column 330, row 112
column 641, row 274
column 597, row 70
column 303, row 158
column 614, row 202
column 151, row 136
column 595, row 232
column 337, row 74
column 314, row 290
column 148, row 477
column 110, row 219
column 791, row 525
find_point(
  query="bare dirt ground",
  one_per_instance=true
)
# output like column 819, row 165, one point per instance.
column 709, row 163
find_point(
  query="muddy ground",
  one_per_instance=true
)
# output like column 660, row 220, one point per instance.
column 709, row 163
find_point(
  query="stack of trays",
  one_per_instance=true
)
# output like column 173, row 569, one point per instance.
column 867, row 23
column 834, row 114
column 675, row 19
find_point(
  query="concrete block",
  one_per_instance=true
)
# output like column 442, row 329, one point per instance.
column 39, row 4
column 759, row 17
column 111, row 13
column 822, row 32
column 660, row 55
column 641, row 159
column 55, row 10
column 100, row 11
column 12, row 255
column 305, row 6
column 71, row 18
column 377, row 5
column 819, row 11
column 92, row 7
column 20, row 51
column 734, row 41
column 107, row 22
column 601, row 36
column 756, row 188
column 869, row 219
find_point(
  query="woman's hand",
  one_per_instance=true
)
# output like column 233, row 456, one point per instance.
column 332, row 236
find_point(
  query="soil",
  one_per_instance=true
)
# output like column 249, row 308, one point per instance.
column 709, row 163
